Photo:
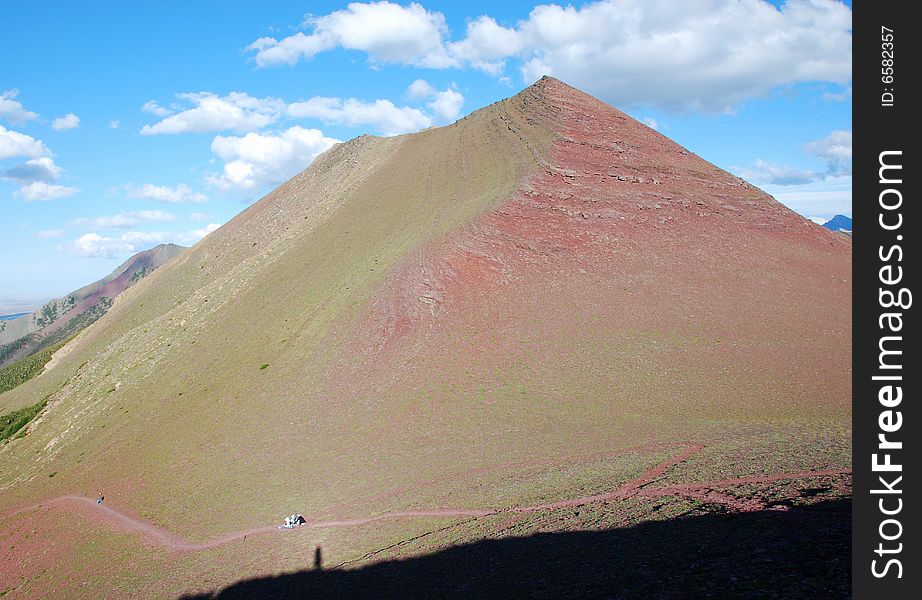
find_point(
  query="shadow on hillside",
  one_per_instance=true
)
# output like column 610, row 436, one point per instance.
column 803, row 552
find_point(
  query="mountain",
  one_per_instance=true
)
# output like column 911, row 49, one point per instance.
column 839, row 223
column 543, row 318
column 63, row 317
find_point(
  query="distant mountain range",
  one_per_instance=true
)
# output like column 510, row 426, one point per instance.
column 25, row 334
column 839, row 223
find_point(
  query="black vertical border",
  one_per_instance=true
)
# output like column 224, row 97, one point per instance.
column 878, row 128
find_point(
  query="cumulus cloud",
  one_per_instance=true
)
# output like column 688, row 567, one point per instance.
column 771, row 173
column 132, row 219
column 210, row 113
column 190, row 237
column 650, row 122
column 12, row 110
column 181, row 194
column 152, row 107
column 382, row 115
column 387, row 32
column 420, row 90
column 37, row 178
column 37, row 169
column 14, row 143
column 689, row 55
column 40, row 191
column 836, row 150
column 95, row 245
column 707, row 55
column 114, row 124
column 68, row 121
column 444, row 105
column 487, row 45
column 258, row 159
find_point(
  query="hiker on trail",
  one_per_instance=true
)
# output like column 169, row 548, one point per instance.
column 99, row 498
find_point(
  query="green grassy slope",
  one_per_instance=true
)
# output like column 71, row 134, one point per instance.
column 23, row 370
column 181, row 351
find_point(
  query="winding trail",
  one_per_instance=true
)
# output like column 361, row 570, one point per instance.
column 637, row 487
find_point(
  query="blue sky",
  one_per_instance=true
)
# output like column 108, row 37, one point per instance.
column 123, row 125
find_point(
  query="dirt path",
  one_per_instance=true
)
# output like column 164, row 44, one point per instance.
column 635, row 488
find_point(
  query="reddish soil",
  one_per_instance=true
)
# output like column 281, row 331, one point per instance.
column 707, row 492
column 633, row 231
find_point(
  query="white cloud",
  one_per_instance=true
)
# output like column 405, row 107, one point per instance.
column 382, row 115
column 68, row 121
column 256, row 159
column 37, row 169
column 650, row 122
column 95, row 245
column 446, row 106
column 48, row 234
column 114, row 124
column 420, row 90
column 181, row 194
column 13, row 143
column 153, row 108
column 836, row 150
column 235, row 112
column 773, row 174
column 703, row 55
column 387, row 32
column 198, row 217
column 37, row 177
column 190, row 237
column 12, row 110
column 39, row 191
column 487, row 45
column 131, row 219
column 689, row 55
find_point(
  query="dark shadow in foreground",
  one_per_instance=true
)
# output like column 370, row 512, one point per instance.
column 803, row 552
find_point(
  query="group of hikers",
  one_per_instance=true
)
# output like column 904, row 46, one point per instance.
column 293, row 521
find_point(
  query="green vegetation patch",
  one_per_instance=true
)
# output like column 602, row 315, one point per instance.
column 35, row 341
column 14, row 421
column 25, row 369
column 138, row 275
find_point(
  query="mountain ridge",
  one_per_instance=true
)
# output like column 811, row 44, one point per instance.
column 26, row 334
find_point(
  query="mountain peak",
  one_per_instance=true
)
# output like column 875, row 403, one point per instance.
column 547, row 279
